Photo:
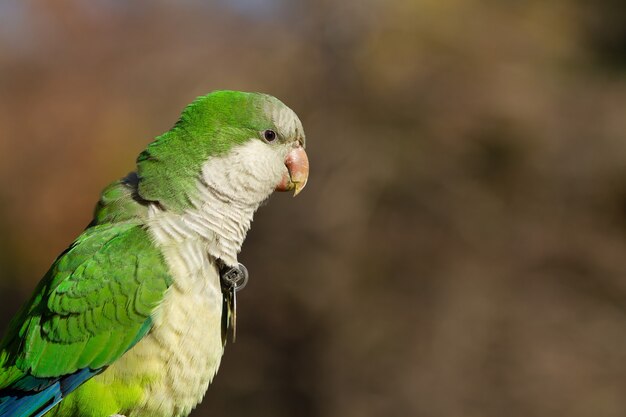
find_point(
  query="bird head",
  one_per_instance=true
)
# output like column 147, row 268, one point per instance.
column 242, row 146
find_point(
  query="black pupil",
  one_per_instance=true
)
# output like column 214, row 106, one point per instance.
column 270, row 135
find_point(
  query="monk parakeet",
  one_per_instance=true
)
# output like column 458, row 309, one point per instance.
column 130, row 319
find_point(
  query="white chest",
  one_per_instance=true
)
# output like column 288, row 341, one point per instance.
column 178, row 359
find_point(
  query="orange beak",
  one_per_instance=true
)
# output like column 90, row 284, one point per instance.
column 297, row 164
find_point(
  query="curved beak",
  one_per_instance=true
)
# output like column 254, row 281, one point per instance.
column 297, row 164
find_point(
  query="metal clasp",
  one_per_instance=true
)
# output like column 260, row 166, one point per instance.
column 236, row 277
column 233, row 279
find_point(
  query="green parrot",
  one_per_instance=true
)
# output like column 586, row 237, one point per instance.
column 130, row 320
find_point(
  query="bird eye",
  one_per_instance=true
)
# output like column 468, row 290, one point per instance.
column 269, row 135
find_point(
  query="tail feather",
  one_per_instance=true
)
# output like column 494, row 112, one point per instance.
column 17, row 402
column 27, row 404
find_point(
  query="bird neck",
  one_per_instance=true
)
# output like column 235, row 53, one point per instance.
column 214, row 219
column 215, row 224
column 228, row 191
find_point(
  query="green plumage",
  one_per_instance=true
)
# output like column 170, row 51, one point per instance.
column 100, row 296
column 210, row 126
column 119, row 203
column 92, row 306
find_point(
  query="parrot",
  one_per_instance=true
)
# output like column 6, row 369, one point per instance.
column 132, row 318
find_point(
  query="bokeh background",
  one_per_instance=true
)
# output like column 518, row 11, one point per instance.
column 460, row 249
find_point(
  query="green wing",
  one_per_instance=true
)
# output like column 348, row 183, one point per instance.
column 91, row 307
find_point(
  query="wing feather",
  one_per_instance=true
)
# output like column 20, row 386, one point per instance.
column 93, row 305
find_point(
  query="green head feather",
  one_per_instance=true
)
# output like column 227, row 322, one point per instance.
column 212, row 125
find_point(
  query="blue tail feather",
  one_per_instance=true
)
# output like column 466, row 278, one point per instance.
column 29, row 403
column 16, row 401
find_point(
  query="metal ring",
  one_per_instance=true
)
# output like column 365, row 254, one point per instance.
column 243, row 279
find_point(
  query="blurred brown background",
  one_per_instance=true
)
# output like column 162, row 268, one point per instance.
column 461, row 247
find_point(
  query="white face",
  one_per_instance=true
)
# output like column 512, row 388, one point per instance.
column 249, row 173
